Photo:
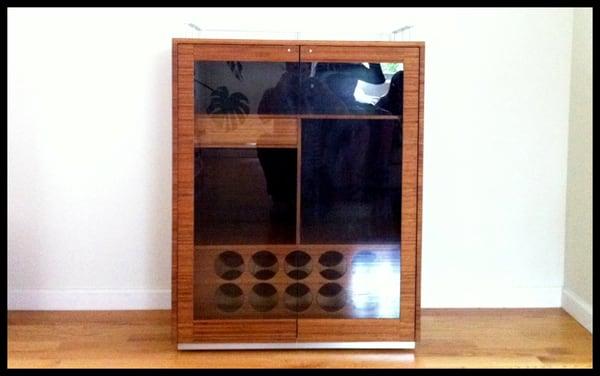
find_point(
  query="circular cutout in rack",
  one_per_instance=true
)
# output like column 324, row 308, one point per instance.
column 263, row 265
column 333, row 265
column 263, row 297
column 298, row 265
column 297, row 297
column 331, row 297
column 229, row 265
column 229, row 297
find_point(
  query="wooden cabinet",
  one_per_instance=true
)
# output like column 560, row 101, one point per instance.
column 297, row 172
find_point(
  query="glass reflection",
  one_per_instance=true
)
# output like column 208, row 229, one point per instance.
column 285, row 97
column 375, row 284
column 353, row 88
column 244, row 88
column 239, row 89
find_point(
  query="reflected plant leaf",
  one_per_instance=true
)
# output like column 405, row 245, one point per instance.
column 235, row 104
column 236, row 68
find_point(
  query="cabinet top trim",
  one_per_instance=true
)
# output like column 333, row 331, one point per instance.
column 297, row 42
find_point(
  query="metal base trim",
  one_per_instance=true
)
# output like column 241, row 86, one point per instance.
column 297, row 345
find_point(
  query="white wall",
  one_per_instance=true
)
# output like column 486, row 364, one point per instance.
column 89, row 132
column 577, row 292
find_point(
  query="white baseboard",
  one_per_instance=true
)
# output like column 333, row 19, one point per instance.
column 89, row 299
column 481, row 296
column 578, row 308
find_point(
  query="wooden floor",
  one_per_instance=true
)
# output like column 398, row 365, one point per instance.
column 450, row 338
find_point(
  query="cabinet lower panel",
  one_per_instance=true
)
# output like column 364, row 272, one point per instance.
column 297, row 345
column 337, row 281
column 234, row 331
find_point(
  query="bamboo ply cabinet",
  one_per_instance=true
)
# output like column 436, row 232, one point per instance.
column 297, row 180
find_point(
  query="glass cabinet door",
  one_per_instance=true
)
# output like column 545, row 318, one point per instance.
column 351, row 184
column 245, row 190
column 354, row 197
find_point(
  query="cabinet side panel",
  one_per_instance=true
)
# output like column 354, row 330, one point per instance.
column 420, row 192
column 174, row 195
column 185, row 191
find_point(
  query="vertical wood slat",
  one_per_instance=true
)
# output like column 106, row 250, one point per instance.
column 409, row 190
column 408, row 238
column 185, row 191
column 420, row 191
column 410, row 100
column 174, row 194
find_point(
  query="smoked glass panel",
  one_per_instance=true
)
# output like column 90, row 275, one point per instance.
column 351, row 181
column 245, row 196
column 254, row 259
column 239, row 88
column 351, row 188
column 244, row 188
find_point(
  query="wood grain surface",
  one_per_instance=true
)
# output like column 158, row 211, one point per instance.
column 247, row 131
column 477, row 338
column 419, row 191
column 184, row 159
column 296, row 42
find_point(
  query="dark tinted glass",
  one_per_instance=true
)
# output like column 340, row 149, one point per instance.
column 349, row 116
column 245, row 196
column 351, row 181
column 240, row 88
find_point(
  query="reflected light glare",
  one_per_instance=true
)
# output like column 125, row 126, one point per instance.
column 375, row 286
column 361, row 96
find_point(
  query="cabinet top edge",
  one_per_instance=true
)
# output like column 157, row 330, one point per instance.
column 299, row 42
